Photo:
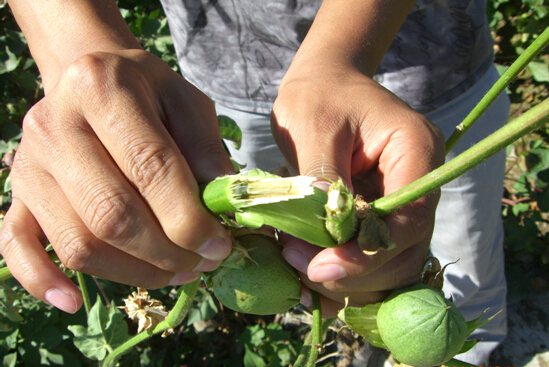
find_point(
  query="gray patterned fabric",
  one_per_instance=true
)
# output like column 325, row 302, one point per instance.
column 237, row 51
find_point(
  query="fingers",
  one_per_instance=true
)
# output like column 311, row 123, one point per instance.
column 346, row 274
column 129, row 128
column 100, row 173
column 347, row 269
column 80, row 250
column 21, row 247
column 192, row 122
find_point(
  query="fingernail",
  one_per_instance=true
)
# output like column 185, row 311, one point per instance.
column 61, row 300
column 215, row 248
column 296, row 259
column 207, row 265
column 327, row 273
column 184, row 278
column 323, row 185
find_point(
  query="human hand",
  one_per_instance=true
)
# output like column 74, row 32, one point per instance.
column 335, row 122
column 108, row 171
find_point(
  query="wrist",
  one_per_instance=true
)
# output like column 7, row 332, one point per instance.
column 59, row 32
column 353, row 33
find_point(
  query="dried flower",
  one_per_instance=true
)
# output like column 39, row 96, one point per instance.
column 147, row 311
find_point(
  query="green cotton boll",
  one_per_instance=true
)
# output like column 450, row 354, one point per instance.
column 265, row 285
column 421, row 327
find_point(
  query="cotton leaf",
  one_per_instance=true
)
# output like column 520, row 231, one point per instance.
column 540, row 71
column 7, row 296
column 229, row 130
column 106, row 331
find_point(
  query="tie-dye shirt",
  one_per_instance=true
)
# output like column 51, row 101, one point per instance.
column 237, row 51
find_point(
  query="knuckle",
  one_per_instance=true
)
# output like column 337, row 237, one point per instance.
column 209, row 147
column 108, row 215
column 23, row 170
column 149, row 165
column 7, row 239
column 93, row 77
column 168, row 265
column 38, row 124
column 75, row 252
column 88, row 71
column 11, row 250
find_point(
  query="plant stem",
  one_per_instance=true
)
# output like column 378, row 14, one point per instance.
column 5, row 274
column 316, row 341
column 522, row 125
column 510, row 74
column 309, row 352
column 305, row 351
column 174, row 318
column 84, row 291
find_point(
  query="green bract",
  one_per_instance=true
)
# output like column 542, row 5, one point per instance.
column 421, row 327
column 263, row 284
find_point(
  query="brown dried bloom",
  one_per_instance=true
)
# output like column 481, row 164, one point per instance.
column 148, row 312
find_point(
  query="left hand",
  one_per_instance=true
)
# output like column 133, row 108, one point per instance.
column 335, row 122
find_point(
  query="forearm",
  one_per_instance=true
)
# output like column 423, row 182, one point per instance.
column 60, row 31
column 354, row 32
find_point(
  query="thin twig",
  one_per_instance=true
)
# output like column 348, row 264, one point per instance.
column 478, row 153
column 84, row 291
column 102, row 291
column 503, row 82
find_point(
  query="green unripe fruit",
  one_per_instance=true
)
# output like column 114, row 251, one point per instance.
column 421, row 327
column 265, row 285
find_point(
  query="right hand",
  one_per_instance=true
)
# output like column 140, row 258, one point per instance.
column 108, row 171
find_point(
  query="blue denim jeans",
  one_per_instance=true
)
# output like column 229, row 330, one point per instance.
column 468, row 223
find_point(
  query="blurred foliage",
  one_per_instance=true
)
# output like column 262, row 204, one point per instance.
column 525, row 203
column 33, row 333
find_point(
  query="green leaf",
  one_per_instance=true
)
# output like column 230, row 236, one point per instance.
column 252, row 359
column 539, row 70
column 363, row 320
column 9, row 61
column 7, row 184
column 106, row 331
column 204, row 307
column 8, row 339
column 229, row 130
column 541, row 11
column 7, row 296
column 468, row 345
column 10, row 360
column 47, row 356
column 520, row 208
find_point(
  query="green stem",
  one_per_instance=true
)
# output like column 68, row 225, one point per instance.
column 316, row 342
column 5, row 274
column 313, row 341
column 175, row 317
column 305, row 351
column 510, row 74
column 84, row 291
column 522, row 125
